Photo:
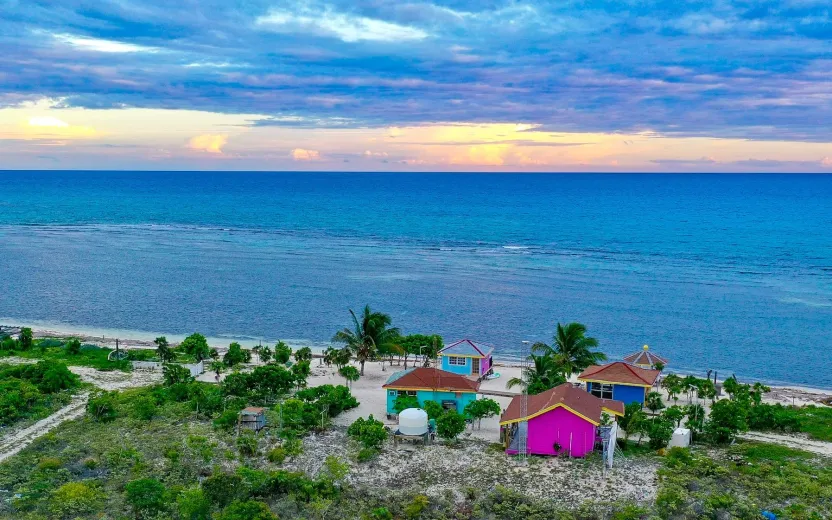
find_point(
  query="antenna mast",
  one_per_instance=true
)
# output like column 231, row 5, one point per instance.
column 525, row 372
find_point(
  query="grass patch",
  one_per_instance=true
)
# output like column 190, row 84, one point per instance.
column 742, row 480
column 89, row 356
column 761, row 452
column 817, row 422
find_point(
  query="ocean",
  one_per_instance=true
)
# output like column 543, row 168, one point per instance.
column 725, row 272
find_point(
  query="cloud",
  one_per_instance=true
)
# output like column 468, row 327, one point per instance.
column 48, row 121
column 302, row 154
column 100, row 45
column 346, row 27
column 208, row 143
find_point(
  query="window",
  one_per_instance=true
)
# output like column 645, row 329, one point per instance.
column 456, row 360
column 601, row 390
column 411, row 393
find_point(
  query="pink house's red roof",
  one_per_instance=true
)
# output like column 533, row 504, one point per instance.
column 576, row 400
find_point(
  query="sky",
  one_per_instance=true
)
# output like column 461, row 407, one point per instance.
column 455, row 85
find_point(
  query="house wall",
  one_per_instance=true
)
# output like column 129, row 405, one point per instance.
column 485, row 364
column 464, row 370
column 462, row 398
column 628, row 394
column 574, row 434
column 625, row 393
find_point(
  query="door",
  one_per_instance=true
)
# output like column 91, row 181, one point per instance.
column 475, row 366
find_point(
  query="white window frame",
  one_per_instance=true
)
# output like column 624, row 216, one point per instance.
column 458, row 361
column 602, row 390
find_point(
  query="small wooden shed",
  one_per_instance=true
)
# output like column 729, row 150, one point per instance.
column 252, row 418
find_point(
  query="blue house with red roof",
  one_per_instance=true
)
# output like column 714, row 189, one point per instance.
column 467, row 358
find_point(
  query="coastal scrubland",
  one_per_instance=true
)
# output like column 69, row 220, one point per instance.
column 172, row 449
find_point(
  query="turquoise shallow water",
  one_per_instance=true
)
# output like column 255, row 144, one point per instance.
column 729, row 272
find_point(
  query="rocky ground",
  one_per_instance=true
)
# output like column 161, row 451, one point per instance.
column 438, row 470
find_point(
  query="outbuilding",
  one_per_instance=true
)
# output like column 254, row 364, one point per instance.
column 467, row 358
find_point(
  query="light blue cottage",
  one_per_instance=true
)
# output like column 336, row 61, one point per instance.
column 467, row 358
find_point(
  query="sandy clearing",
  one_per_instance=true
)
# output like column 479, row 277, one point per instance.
column 799, row 442
column 17, row 440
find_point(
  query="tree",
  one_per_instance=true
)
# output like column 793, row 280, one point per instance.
column 301, row 371
column 674, row 385
column 632, row 421
column 236, row 355
column 146, row 496
column 573, row 350
column 163, row 350
column 419, row 345
column 197, row 346
column 303, row 354
column 350, row 373
column 368, row 333
column 450, row 424
column 264, row 353
column 674, row 414
column 217, row 367
column 282, row 352
column 482, row 409
column 25, row 339
column 654, row 402
column 660, row 431
column 73, row 346
column 175, row 374
column 728, row 417
column 433, row 409
column 543, row 375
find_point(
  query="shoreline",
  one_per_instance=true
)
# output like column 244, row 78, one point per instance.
column 144, row 340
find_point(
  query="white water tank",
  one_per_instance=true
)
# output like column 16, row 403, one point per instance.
column 680, row 439
column 413, row 421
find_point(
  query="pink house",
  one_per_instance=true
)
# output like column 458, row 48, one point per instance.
column 562, row 420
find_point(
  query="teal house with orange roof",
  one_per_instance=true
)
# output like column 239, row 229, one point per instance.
column 452, row 391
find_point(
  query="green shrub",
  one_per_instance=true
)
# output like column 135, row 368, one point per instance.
column 277, row 455
column 102, row 406
column 147, row 496
column 249, row 510
column 227, row 420
column 192, row 504
column 403, row 402
column 415, row 508
column 369, row 432
column 433, row 409
column 247, row 444
column 73, row 346
column 293, row 447
column 382, row 513
column 49, row 464
column 450, row 425
column 366, row 454
column 74, row 499
column 223, row 488
column 144, row 408
column 303, row 354
column 660, row 431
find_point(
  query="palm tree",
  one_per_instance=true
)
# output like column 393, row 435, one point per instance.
column 573, row 350
column 633, row 420
column 368, row 334
column 543, row 375
column 163, row 349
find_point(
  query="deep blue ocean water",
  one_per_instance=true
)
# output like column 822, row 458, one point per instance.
column 727, row 272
